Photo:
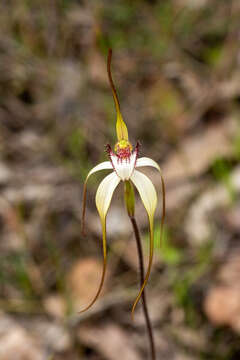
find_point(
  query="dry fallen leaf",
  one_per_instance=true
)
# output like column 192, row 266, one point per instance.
column 17, row 343
column 222, row 305
column 83, row 281
column 55, row 305
column 109, row 340
column 222, row 302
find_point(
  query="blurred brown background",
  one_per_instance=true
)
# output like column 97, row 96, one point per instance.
column 176, row 67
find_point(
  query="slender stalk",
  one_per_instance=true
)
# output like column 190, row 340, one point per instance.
column 144, row 299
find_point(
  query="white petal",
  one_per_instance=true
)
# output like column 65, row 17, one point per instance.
column 145, row 161
column 146, row 191
column 104, row 194
column 124, row 167
column 102, row 166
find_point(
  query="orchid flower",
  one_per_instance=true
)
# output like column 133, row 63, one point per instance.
column 124, row 162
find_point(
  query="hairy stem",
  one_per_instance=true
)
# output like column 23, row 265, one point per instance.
column 143, row 297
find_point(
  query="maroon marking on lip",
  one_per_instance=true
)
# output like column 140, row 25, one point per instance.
column 124, row 154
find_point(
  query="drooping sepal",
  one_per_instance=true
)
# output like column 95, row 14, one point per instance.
column 145, row 161
column 148, row 196
column 103, row 199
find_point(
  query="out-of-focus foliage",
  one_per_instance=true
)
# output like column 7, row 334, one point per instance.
column 176, row 67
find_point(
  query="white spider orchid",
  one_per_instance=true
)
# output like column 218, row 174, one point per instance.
column 124, row 161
